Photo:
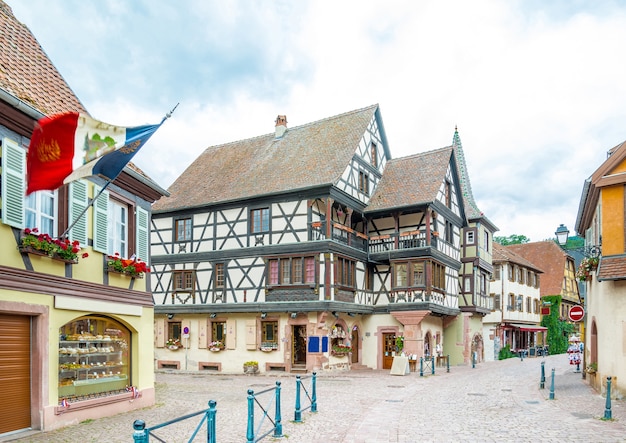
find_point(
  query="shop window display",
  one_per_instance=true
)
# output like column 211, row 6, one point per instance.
column 93, row 358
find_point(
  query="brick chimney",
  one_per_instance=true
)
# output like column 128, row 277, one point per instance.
column 281, row 126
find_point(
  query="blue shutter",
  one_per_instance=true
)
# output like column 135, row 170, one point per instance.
column 100, row 225
column 13, row 183
column 143, row 234
column 77, row 205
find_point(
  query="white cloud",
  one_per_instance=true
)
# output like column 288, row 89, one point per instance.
column 535, row 88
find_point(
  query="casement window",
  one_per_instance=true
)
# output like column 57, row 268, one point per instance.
column 291, row 271
column 510, row 269
column 439, row 276
column 184, row 281
column 364, row 183
column 218, row 275
column 174, row 330
column 511, row 305
column 218, row 331
column 182, row 229
column 118, row 228
column 519, row 305
column 529, row 305
column 410, row 274
column 449, row 232
column 345, row 272
column 374, row 155
column 470, row 237
column 269, row 333
column 259, row 220
column 497, row 272
column 536, row 307
column 113, row 217
column 448, row 194
column 486, row 240
column 483, row 284
column 41, row 211
column 496, row 302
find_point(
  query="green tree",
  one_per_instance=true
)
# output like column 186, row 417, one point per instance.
column 558, row 330
column 513, row 239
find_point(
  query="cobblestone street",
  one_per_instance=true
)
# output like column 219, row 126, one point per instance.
column 493, row 402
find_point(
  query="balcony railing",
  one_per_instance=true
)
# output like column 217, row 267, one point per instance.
column 383, row 243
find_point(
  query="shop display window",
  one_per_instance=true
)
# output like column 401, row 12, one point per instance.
column 93, row 358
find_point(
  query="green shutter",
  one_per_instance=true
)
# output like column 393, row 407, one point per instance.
column 143, row 234
column 78, row 205
column 100, row 225
column 13, row 183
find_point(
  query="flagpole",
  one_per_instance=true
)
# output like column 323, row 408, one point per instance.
column 106, row 185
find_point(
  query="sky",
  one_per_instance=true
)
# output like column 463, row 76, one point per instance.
column 536, row 88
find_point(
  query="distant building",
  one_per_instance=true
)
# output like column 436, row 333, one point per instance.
column 516, row 315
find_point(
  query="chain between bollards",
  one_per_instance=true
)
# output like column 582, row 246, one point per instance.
column 552, row 386
column 607, row 407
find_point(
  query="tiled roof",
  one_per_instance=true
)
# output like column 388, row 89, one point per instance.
column 27, row 73
column 411, row 180
column 612, row 268
column 311, row 155
column 550, row 258
column 506, row 254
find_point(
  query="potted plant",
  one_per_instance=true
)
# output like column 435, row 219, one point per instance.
column 34, row 242
column 173, row 344
column 340, row 350
column 133, row 266
column 216, row 346
column 251, row 367
column 591, row 368
column 587, row 265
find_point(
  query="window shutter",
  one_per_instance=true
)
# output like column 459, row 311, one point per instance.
column 13, row 183
column 143, row 234
column 100, row 225
column 77, row 211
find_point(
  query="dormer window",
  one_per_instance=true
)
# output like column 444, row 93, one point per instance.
column 374, row 155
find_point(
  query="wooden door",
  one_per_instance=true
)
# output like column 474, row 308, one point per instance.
column 299, row 345
column 15, row 372
column 354, row 342
column 389, row 349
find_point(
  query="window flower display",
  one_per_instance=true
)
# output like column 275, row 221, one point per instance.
column 216, row 346
column 132, row 266
column 35, row 242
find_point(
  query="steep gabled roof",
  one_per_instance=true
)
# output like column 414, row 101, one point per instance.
column 503, row 254
column 27, row 73
column 549, row 256
column 411, row 180
column 307, row 156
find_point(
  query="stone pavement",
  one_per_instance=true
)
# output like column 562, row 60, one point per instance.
column 493, row 402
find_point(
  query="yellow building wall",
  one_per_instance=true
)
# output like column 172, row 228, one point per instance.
column 613, row 220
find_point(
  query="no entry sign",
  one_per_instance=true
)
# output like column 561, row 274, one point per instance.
column 576, row 313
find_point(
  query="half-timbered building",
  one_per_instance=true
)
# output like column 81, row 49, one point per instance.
column 308, row 248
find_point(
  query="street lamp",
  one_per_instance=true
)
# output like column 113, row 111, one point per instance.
column 561, row 234
column 588, row 251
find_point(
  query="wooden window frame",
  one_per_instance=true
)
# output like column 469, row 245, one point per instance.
column 186, row 275
column 183, row 229
column 219, row 275
column 263, row 217
column 277, row 267
column 364, row 182
column 374, row 155
column 215, row 333
column 273, row 324
column 345, row 272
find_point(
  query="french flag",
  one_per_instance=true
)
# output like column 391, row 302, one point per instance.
column 70, row 146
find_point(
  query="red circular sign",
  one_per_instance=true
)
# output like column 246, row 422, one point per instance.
column 576, row 313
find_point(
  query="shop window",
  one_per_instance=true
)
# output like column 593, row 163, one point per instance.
column 93, row 358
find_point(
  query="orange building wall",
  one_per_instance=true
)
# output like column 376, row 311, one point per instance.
column 613, row 220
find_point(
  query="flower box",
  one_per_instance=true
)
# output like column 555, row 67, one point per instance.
column 133, row 267
column 112, row 270
column 33, row 242
column 53, row 255
column 216, row 346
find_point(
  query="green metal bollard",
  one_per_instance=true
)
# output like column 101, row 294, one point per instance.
column 210, row 428
column 448, row 363
column 552, row 386
column 421, row 366
column 473, row 360
column 298, row 412
column 542, row 380
column 314, row 394
column 432, row 364
column 278, row 428
column 607, row 407
column 250, row 431
column 140, row 435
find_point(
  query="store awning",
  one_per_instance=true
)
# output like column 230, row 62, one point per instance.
column 528, row 328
